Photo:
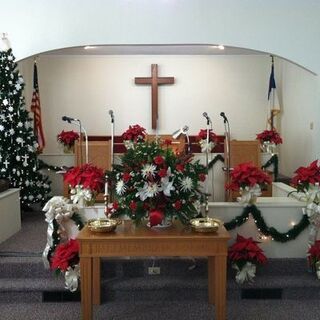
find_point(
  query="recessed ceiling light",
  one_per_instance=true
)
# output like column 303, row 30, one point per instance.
column 89, row 47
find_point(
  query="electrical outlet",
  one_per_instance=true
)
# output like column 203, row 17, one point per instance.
column 153, row 270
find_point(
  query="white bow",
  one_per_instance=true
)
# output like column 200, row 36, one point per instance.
column 247, row 273
column 71, row 278
column 248, row 195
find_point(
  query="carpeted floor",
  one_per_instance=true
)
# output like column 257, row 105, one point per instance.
column 31, row 239
column 236, row 310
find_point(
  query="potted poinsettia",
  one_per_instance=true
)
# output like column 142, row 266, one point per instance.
column 65, row 260
column 307, row 180
column 154, row 183
column 248, row 180
column 314, row 257
column 86, row 182
column 133, row 135
column 244, row 255
column 68, row 139
column 207, row 140
column 269, row 139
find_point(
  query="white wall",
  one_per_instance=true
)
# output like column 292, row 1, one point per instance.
column 299, row 96
column 86, row 87
column 288, row 28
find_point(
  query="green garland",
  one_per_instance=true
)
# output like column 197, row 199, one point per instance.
column 275, row 161
column 44, row 165
column 263, row 227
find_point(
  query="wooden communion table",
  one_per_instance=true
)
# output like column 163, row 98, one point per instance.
column 129, row 240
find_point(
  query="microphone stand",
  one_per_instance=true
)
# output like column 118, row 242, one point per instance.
column 112, row 140
column 82, row 129
column 207, row 163
column 227, row 154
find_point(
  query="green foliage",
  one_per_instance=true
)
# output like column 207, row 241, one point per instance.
column 18, row 145
column 264, row 228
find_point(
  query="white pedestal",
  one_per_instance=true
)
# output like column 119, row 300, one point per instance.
column 10, row 217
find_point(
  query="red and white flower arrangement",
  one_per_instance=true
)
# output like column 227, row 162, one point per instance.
column 153, row 183
column 314, row 257
column 268, row 140
column 66, row 260
column 68, row 138
column 307, row 181
column 248, row 180
column 271, row 136
column 207, row 140
column 133, row 135
column 86, row 182
column 244, row 254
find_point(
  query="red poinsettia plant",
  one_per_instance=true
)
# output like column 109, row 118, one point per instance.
column 314, row 253
column 246, row 250
column 306, row 176
column 202, row 138
column 68, row 138
column 247, row 175
column 65, row 255
column 271, row 136
column 133, row 135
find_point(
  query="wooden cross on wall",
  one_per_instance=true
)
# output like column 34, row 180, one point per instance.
column 154, row 81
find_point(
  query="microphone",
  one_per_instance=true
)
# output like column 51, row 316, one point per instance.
column 69, row 119
column 180, row 131
column 111, row 115
column 222, row 114
column 207, row 117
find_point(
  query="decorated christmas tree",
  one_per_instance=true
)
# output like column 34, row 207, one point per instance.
column 18, row 145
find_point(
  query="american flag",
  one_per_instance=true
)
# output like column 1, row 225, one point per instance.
column 36, row 109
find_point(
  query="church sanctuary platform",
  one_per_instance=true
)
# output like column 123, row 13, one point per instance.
column 282, row 289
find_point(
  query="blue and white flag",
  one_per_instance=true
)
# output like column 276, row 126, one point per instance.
column 273, row 101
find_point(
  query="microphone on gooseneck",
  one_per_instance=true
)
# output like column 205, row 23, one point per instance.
column 111, row 115
column 225, row 119
column 207, row 117
column 68, row 119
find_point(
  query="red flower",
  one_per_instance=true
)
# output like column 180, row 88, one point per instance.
column 133, row 205
column 247, row 174
column 202, row 135
column 162, row 173
column 87, row 175
column 65, row 255
column 314, row 253
column 202, row 177
column 158, row 160
column 155, row 217
column 134, row 133
column 306, row 175
column 177, row 205
column 67, row 137
column 269, row 135
column 180, row 167
column 115, row 205
column 126, row 177
column 246, row 249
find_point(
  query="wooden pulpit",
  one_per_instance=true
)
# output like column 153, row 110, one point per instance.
column 178, row 145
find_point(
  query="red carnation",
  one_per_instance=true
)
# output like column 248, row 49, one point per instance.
column 180, row 167
column 115, row 205
column 162, row 173
column 167, row 142
column 65, row 255
column 177, row 205
column 202, row 177
column 126, row 177
column 158, row 160
column 133, row 205
column 155, row 217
